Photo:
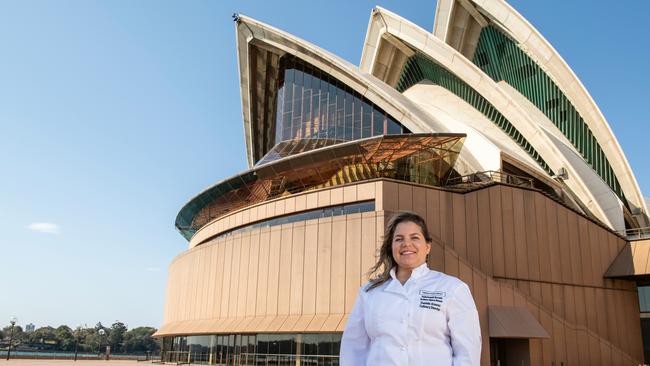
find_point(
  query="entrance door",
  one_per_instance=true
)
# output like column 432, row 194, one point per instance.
column 509, row 352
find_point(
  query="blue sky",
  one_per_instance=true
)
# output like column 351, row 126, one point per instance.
column 114, row 113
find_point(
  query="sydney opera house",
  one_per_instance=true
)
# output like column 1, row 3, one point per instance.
column 481, row 127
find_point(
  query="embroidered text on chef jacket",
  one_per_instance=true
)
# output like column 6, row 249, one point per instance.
column 430, row 320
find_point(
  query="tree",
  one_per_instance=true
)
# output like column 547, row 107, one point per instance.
column 140, row 340
column 43, row 335
column 18, row 334
column 116, row 336
column 66, row 338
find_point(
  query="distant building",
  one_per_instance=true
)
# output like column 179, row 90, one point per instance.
column 29, row 328
column 480, row 127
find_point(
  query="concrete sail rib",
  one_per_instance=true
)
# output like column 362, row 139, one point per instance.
column 387, row 25
column 252, row 33
column 539, row 49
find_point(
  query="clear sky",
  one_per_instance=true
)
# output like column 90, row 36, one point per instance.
column 114, row 113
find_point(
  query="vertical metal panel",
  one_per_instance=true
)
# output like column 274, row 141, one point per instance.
column 338, row 265
column 389, row 196
column 486, row 247
column 509, row 246
column 353, row 269
column 420, row 201
column 263, row 273
column 405, row 197
column 559, row 342
column 433, row 212
column 574, row 247
column 197, row 283
column 297, row 268
column 580, row 303
column 570, row 304
column 520, row 233
column 324, row 198
column 594, row 245
column 473, row 253
column 459, row 225
column 252, row 287
column 548, row 347
column 532, row 248
column 451, row 263
column 218, row 283
column 590, row 309
column 558, row 300
column 349, row 194
column 544, row 244
column 571, row 339
column 446, row 218
column 554, row 247
column 585, row 252
column 243, row 273
column 369, row 236
column 601, row 312
column 234, row 276
column 274, row 271
column 311, row 264
column 284, row 276
column 336, row 195
column 323, row 271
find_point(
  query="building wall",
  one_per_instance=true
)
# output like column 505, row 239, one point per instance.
column 517, row 247
column 512, row 246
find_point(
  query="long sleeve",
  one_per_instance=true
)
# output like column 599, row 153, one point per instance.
column 465, row 329
column 355, row 343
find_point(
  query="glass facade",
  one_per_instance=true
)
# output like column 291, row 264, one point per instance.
column 502, row 58
column 419, row 67
column 419, row 158
column 338, row 210
column 312, row 104
column 644, row 299
column 318, row 349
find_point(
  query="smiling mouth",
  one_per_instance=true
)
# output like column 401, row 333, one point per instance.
column 408, row 252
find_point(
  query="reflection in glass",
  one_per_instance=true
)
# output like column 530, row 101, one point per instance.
column 254, row 349
column 312, row 104
column 418, row 158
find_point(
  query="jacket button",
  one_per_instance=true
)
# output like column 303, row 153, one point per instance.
column 403, row 348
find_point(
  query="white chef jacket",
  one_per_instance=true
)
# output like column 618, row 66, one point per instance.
column 430, row 320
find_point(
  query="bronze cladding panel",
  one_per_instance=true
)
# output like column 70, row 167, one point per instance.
column 513, row 247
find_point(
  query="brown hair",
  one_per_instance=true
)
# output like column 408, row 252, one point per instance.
column 381, row 269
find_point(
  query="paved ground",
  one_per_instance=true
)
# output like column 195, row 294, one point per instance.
column 19, row 362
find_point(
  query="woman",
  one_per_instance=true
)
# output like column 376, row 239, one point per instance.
column 409, row 314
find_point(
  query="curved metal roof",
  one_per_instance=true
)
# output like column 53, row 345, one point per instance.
column 420, row 158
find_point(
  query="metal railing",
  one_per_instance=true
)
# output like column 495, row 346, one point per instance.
column 489, row 176
column 638, row 233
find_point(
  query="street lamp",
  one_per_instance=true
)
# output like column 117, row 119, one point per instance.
column 76, row 342
column 101, row 332
column 11, row 337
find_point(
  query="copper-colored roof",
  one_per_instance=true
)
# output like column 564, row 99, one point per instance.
column 425, row 158
column 514, row 322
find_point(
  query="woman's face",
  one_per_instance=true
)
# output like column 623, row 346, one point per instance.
column 410, row 248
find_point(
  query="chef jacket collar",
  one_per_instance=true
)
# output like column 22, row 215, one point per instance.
column 418, row 272
column 396, row 286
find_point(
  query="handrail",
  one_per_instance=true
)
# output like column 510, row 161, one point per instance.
column 636, row 233
column 490, row 176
